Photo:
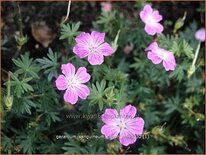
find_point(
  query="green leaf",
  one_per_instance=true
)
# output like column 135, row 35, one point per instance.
column 50, row 64
column 20, row 87
column 69, row 31
column 182, row 48
column 27, row 66
column 180, row 71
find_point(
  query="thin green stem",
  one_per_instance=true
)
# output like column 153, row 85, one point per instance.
column 8, row 85
column 196, row 54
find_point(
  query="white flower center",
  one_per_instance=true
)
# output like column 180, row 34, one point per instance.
column 122, row 124
column 72, row 82
column 149, row 19
column 162, row 54
column 93, row 49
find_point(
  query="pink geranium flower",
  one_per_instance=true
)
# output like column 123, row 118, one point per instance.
column 151, row 19
column 200, row 35
column 125, row 125
column 157, row 55
column 73, row 83
column 93, row 46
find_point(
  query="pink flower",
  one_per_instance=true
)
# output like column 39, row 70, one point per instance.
column 73, row 83
column 106, row 6
column 93, row 46
column 126, row 125
column 200, row 35
column 157, row 55
column 151, row 19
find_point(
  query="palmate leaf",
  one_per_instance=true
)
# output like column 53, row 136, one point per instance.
column 22, row 106
column 20, row 86
column 73, row 146
column 182, row 48
column 26, row 143
column 26, row 66
column 139, row 64
column 69, row 31
column 180, row 72
column 91, row 146
column 173, row 105
column 51, row 117
column 7, row 145
column 97, row 94
column 50, row 64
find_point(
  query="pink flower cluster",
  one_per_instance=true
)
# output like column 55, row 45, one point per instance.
column 88, row 45
column 124, row 125
column 152, row 26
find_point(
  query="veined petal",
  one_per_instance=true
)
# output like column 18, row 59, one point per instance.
column 128, row 111
column 110, row 116
column 152, row 47
column 81, row 51
column 153, row 57
column 68, row 70
column 157, row 17
column 82, row 76
column 82, row 91
column 71, row 96
column 84, row 39
column 110, row 132
column 145, row 12
column 158, row 27
column 150, row 29
column 61, row 82
column 97, row 38
column 105, row 49
column 126, row 137
column 95, row 58
column 169, row 63
column 135, row 125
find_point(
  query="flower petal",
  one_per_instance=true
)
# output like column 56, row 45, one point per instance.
column 152, row 47
column 157, row 17
column 71, row 96
column 81, row 50
column 97, row 38
column 135, row 125
column 149, row 29
column 82, row 76
column 153, row 57
column 84, row 39
column 158, row 27
column 105, row 49
column 200, row 34
column 169, row 63
column 68, row 70
column 126, row 137
column 128, row 111
column 82, row 91
column 145, row 12
column 95, row 58
column 110, row 116
column 110, row 131
column 61, row 82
